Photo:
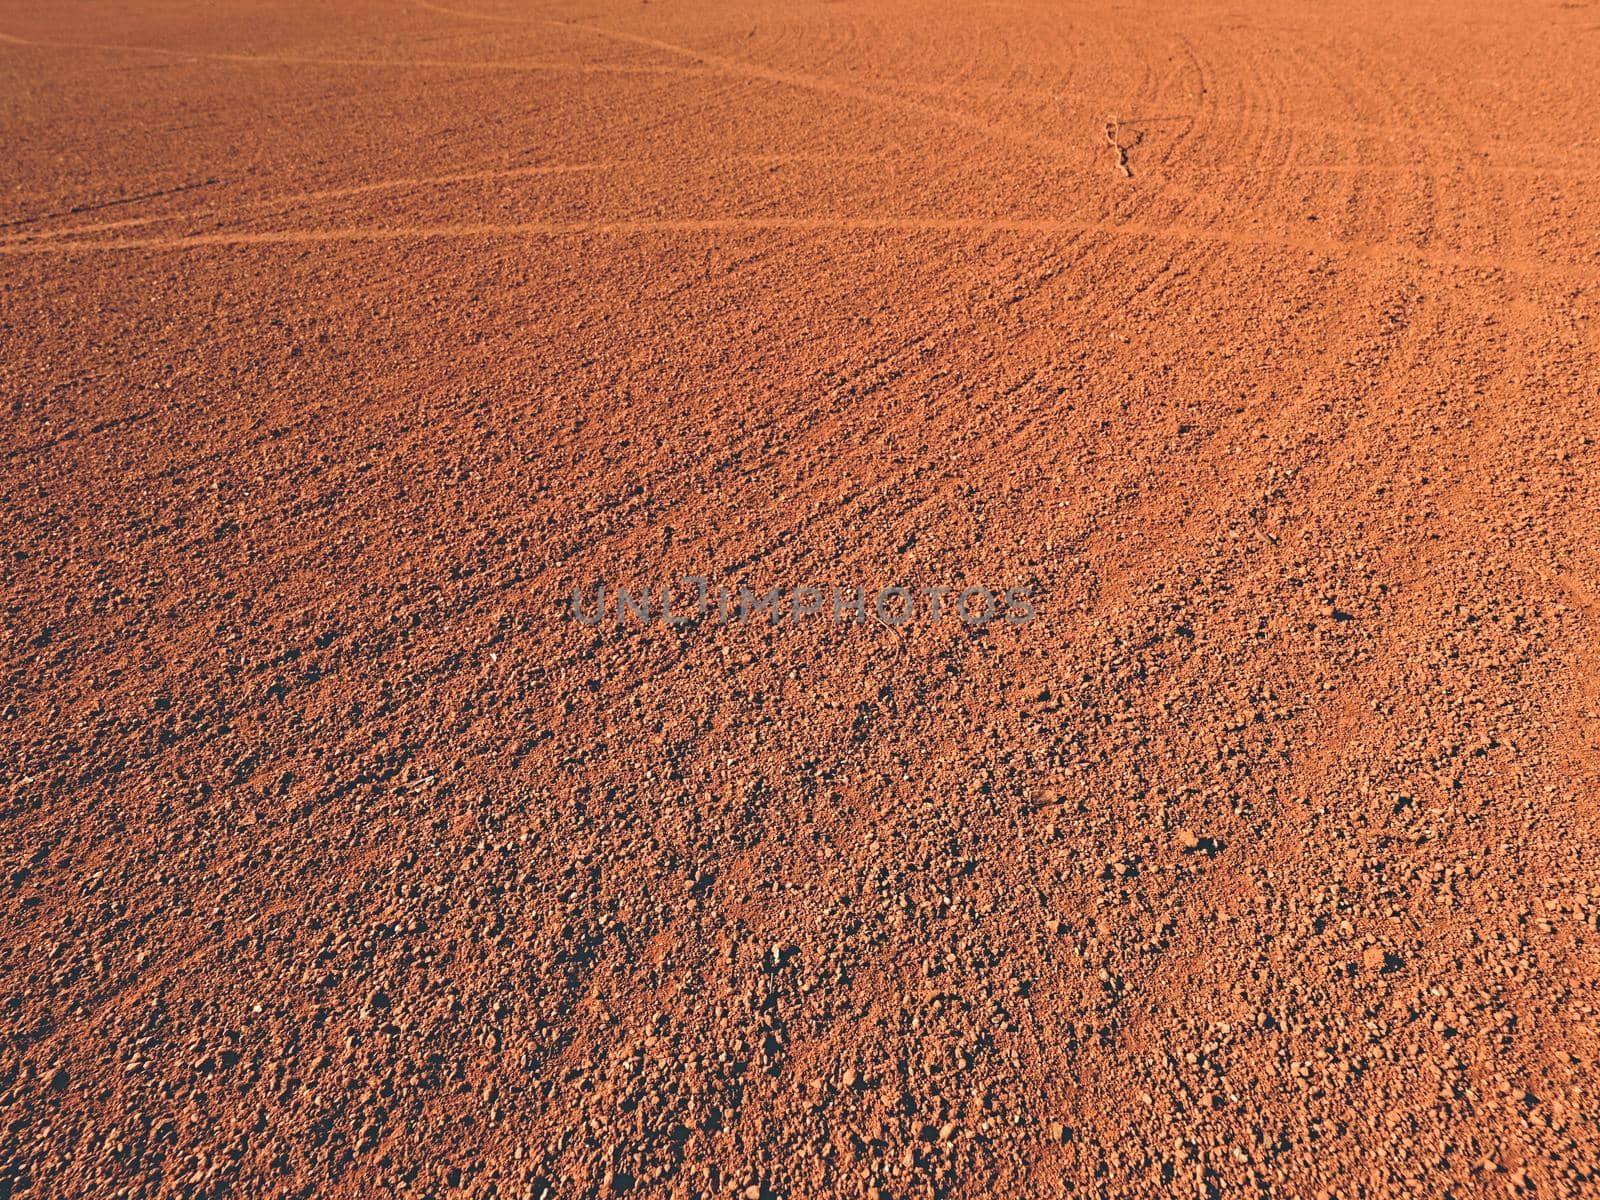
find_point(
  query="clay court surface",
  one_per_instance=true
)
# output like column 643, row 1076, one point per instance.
column 340, row 342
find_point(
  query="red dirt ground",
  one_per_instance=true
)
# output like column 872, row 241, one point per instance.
column 338, row 343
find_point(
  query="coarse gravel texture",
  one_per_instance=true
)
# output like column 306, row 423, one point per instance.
column 340, row 342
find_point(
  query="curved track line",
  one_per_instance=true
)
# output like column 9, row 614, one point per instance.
column 360, row 189
column 383, row 185
column 443, row 64
column 1361, row 251
column 834, row 87
column 815, row 83
column 98, row 206
column 338, row 193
